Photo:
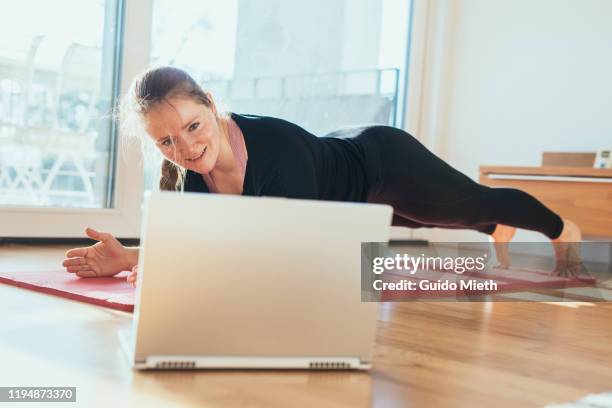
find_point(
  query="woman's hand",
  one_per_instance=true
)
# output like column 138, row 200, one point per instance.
column 105, row 258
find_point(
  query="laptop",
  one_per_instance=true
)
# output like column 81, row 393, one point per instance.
column 235, row 282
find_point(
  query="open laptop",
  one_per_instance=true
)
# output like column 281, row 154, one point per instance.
column 233, row 282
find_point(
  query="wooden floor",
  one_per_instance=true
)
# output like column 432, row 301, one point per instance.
column 438, row 354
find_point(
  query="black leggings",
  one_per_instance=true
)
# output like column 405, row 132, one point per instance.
column 425, row 191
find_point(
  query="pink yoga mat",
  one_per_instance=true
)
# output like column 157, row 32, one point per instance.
column 113, row 292
column 116, row 293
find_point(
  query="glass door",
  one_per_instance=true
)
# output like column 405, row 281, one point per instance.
column 62, row 67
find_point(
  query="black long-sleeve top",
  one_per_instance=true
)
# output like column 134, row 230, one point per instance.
column 285, row 160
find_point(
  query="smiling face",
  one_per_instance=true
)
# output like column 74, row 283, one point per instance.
column 186, row 132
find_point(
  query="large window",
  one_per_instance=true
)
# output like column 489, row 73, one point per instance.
column 61, row 68
column 56, row 87
column 322, row 64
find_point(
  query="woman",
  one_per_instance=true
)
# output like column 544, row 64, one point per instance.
column 205, row 151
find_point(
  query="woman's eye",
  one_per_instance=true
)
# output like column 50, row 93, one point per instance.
column 166, row 143
column 194, row 126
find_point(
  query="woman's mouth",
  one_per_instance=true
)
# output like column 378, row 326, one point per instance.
column 200, row 156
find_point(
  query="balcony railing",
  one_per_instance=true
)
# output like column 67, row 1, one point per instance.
column 374, row 83
column 48, row 123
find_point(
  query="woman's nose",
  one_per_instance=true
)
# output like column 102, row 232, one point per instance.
column 188, row 147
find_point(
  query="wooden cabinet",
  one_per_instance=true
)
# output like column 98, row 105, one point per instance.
column 582, row 194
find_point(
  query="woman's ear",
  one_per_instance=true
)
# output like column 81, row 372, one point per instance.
column 213, row 106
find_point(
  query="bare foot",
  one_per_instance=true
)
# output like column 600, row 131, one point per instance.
column 502, row 235
column 568, row 261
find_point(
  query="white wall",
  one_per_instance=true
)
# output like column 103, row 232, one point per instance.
column 504, row 81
